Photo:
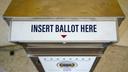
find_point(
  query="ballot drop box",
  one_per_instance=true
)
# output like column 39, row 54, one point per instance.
column 64, row 35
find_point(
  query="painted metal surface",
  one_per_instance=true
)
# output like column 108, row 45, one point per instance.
column 67, row 63
column 63, row 31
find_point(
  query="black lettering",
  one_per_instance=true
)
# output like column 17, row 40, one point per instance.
column 95, row 27
column 73, row 28
column 39, row 28
column 87, row 28
column 90, row 28
column 68, row 29
column 34, row 28
column 82, row 28
column 57, row 28
column 47, row 28
column 77, row 28
column 51, row 26
column 61, row 28
column 43, row 28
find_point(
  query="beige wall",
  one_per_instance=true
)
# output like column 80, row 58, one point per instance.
column 123, row 30
column 4, row 29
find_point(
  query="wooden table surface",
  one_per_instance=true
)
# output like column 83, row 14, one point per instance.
column 64, row 8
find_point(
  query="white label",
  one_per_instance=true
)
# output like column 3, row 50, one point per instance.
column 67, row 63
column 63, row 31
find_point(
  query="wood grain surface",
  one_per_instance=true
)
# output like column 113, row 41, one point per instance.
column 68, row 8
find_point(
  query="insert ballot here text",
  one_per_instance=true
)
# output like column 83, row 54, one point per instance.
column 63, row 28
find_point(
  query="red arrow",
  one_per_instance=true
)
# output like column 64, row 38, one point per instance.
column 63, row 36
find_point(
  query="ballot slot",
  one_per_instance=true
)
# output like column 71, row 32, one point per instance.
column 66, row 49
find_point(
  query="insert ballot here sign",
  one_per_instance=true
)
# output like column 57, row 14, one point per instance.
column 63, row 31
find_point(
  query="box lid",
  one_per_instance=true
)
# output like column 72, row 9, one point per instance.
column 64, row 8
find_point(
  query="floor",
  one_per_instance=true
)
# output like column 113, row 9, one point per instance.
column 115, row 58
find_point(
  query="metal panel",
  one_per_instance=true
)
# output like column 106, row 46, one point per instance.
column 40, row 67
